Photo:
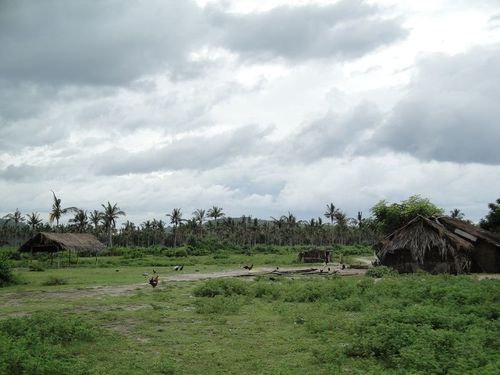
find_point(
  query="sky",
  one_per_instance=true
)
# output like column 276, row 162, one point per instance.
column 258, row 107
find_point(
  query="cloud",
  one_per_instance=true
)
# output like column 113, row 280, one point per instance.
column 344, row 30
column 335, row 134
column 97, row 43
column 451, row 110
column 194, row 152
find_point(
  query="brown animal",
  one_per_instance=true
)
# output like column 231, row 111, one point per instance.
column 248, row 267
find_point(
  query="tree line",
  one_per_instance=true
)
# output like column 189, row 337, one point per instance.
column 212, row 225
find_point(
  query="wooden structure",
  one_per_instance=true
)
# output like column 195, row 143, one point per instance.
column 79, row 243
column 315, row 256
column 440, row 244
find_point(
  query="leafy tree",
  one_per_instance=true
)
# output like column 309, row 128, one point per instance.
column 109, row 216
column 95, row 218
column 393, row 216
column 491, row 221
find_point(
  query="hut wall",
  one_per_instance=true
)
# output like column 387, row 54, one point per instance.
column 486, row 258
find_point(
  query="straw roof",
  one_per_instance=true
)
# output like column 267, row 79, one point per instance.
column 51, row 242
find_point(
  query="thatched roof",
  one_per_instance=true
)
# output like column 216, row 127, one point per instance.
column 450, row 240
column 51, row 242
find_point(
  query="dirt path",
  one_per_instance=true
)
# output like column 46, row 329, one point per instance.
column 102, row 291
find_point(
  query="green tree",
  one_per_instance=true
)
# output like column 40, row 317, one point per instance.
column 175, row 220
column 34, row 220
column 457, row 214
column 80, row 220
column 199, row 218
column 330, row 213
column 393, row 216
column 57, row 210
column 109, row 216
column 491, row 221
column 215, row 212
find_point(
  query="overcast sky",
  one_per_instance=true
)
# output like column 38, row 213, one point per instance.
column 261, row 107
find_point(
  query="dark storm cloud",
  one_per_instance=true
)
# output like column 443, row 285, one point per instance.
column 192, row 152
column 101, row 42
column 347, row 29
column 451, row 112
column 112, row 42
column 333, row 134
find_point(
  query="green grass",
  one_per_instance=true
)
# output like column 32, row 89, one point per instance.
column 418, row 324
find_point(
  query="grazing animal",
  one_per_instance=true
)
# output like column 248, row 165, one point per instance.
column 343, row 266
column 248, row 267
column 176, row 268
column 180, row 269
column 320, row 271
column 328, row 269
column 272, row 279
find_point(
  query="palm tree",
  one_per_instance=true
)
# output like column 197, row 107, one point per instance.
column 175, row 220
column 34, row 220
column 199, row 217
column 80, row 220
column 17, row 218
column 330, row 213
column 58, row 211
column 95, row 218
column 215, row 212
column 457, row 214
column 109, row 216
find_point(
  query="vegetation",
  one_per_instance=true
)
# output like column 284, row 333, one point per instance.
column 6, row 275
column 418, row 324
column 492, row 220
column 393, row 216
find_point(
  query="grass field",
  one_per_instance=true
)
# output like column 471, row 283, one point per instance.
column 109, row 321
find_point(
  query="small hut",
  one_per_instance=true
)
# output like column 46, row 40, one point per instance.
column 315, row 256
column 79, row 243
column 440, row 245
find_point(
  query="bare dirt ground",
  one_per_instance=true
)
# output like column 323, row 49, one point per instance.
column 103, row 291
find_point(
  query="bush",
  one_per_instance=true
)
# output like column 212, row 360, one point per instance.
column 222, row 287
column 38, row 344
column 380, row 271
column 6, row 276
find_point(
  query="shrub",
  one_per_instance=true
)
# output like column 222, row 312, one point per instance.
column 380, row 271
column 38, row 344
column 6, row 276
column 222, row 287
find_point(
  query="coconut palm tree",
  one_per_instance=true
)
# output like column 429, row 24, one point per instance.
column 456, row 213
column 17, row 218
column 34, row 220
column 330, row 213
column 175, row 220
column 95, row 218
column 109, row 216
column 58, row 211
column 199, row 217
column 215, row 212
column 80, row 220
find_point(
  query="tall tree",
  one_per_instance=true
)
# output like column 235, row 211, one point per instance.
column 109, row 216
column 215, row 212
column 199, row 217
column 175, row 220
column 330, row 213
column 95, row 218
column 57, row 210
column 34, row 220
column 16, row 218
column 80, row 220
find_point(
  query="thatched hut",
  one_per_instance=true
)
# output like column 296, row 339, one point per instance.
column 440, row 245
column 315, row 256
column 80, row 243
